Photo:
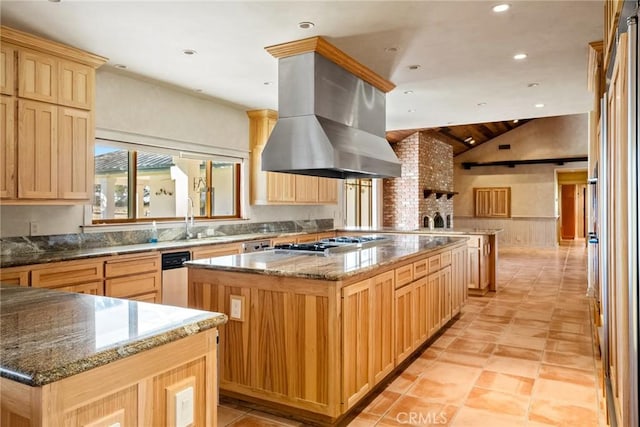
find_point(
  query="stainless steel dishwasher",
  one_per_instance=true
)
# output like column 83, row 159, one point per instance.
column 175, row 278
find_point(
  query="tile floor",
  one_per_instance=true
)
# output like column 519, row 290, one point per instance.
column 523, row 356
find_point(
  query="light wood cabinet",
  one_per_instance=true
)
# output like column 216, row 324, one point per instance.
column 213, row 251
column 8, row 147
column 7, row 69
column 134, row 276
column 76, row 85
column 458, row 279
column 433, row 302
column 445, row 295
column 15, row 276
column 38, row 76
column 404, row 319
column 382, row 312
column 75, row 154
column 420, row 311
column 494, row 202
column 281, row 188
column 53, row 160
column 357, row 340
column 70, row 276
column 37, row 150
column 92, row 288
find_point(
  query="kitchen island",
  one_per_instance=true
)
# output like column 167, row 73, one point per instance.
column 313, row 334
column 80, row 360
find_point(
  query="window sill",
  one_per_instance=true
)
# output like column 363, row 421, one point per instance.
column 145, row 225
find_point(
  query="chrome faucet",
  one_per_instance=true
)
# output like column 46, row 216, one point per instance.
column 188, row 219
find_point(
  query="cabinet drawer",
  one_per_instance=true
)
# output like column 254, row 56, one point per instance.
column 153, row 297
column 66, row 273
column 445, row 259
column 434, row 263
column 93, row 288
column 307, row 238
column 14, row 276
column 123, row 287
column 420, row 268
column 404, row 275
column 215, row 251
column 133, row 265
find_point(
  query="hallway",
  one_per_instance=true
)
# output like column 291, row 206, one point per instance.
column 521, row 357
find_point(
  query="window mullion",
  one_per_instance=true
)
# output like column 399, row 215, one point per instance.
column 132, row 183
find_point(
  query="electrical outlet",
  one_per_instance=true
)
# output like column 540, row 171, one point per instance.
column 34, row 228
column 184, row 407
column 236, row 308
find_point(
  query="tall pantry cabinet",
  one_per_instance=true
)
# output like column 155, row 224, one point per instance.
column 47, row 97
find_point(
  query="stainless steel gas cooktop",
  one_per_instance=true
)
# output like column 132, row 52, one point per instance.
column 332, row 244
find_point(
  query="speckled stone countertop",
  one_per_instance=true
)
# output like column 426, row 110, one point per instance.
column 46, row 335
column 336, row 266
column 435, row 231
column 30, row 258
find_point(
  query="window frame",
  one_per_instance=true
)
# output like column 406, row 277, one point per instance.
column 132, row 179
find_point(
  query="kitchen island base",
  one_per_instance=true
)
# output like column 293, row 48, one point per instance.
column 314, row 347
column 138, row 390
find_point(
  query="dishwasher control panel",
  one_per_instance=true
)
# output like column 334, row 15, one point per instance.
column 173, row 260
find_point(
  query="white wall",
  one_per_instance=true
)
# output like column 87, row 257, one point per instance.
column 533, row 187
column 137, row 110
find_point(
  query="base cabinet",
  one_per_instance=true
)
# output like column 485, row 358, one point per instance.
column 138, row 390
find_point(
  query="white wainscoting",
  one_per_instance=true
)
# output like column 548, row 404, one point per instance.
column 516, row 231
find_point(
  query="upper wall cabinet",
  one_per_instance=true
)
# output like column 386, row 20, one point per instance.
column 492, row 202
column 7, row 70
column 47, row 115
column 282, row 188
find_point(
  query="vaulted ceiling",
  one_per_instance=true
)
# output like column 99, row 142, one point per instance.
column 463, row 137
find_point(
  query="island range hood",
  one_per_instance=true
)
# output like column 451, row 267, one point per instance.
column 331, row 121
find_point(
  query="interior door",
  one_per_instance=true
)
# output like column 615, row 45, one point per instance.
column 568, row 211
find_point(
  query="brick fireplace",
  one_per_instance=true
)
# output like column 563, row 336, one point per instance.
column 427, row 163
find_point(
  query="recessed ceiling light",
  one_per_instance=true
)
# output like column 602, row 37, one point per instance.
column 539, row 105
column 473, row 141
column 267, row 83
column 516, row 121
column 468, row 139
column 411, row 111
column 390, row 49
column 519, row 56
column 481, row 104
column 305, row 25
column 501, row 7
column 408, row 92
column 120, row 66
column 414, row 67
column 198, row 90
column 189, row 52
column 533, row 84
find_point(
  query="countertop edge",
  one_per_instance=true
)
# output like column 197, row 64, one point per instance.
column 117, row 353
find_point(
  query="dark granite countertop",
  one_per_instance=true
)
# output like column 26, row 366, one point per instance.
column 47, row 335
column 336, row 266
column 40, row 257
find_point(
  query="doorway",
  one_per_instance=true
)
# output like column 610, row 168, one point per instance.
column 572, row 191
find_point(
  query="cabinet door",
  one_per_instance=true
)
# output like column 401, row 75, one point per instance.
column 404, row 322
column 306, row 189
column 356, row 341
column 37, row 76
column 445, row 295
column 501, row 202
column 281, row 187
column 382, row 312
column 485, row 264
column 474, row 268
column 327, row 190
column 482, row 198
column 215, row 251
column 93, row 288
column 433, row 286
column 75, row 154
column 15, row 276
column 76, row 85
column 8, row 147
column 37, row 150
column 7, row 69
column 420, row 311
column 458, row 279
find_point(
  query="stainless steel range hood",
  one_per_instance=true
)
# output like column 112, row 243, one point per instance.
column 331, row 123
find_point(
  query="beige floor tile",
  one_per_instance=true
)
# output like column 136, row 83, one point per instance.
column 517, row 352
column 498, row 402
column 507, row 383
column 523, row 341
column 445, row 382
column 382, row 403
column 411, row 410
column 581, row 348
column 403, row 382
column 364, row 419
column 527, row 331
column 569, row 375
column 463, row 345
column 475, row 360
column 569, row 360
column 562, row 414
column 508, row 365
column 471, row 417
column 567, row 336
column 562, row 391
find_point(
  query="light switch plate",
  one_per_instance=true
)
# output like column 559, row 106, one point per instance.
column 184, row 407
column 237, row 307
column 180, row 402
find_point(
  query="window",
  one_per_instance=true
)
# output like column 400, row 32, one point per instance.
column 493, row 202
column 132, row 185
column 358, row 202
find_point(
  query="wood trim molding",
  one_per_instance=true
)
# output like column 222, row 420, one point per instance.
column 270, row 114
column 20, row 38
column 323, row 47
